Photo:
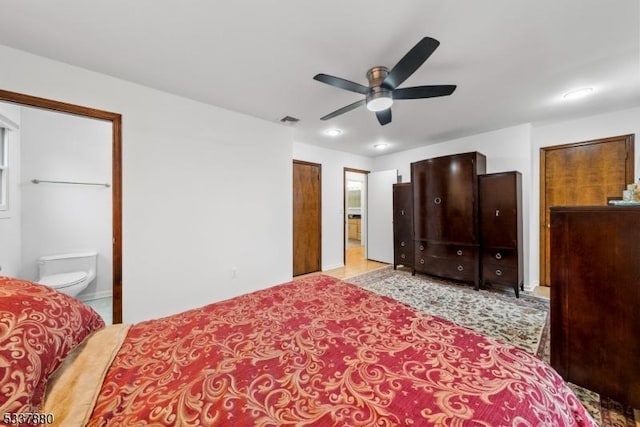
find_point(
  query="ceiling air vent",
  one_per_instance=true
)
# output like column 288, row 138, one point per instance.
column 288, row 120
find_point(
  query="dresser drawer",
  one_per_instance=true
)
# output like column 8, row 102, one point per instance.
column 446, row 267
column 453, row 251
column 500, row 256
column 455, row 269
column 496, row 273
column 403, row 256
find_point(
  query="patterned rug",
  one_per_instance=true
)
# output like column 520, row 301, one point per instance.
column 495, row 312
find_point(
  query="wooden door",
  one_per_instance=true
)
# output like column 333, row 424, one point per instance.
column 307, row 217
column 583, row 173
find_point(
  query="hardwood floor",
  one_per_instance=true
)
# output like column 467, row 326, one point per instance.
column 355, row 264
column 542, row 291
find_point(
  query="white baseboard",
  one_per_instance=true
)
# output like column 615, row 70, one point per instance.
column 531, row 286
column 96, row 295
column 331, row 267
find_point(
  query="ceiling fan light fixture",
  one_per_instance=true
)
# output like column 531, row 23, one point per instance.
column 333, row 132
column 578, row 93
column 379, row 100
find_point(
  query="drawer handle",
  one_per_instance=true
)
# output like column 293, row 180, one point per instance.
column 402, row 256
column 498, row 255
column 421, row 260
column 421, row 248
column 498, row 272
column 437, row 200
column 401, row 243
column 460, row 268
column 459, row 252
column 402, row 212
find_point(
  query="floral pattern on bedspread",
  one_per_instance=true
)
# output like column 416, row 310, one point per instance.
column 322, row 352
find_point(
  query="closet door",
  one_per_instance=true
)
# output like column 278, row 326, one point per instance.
column 380, row 215
column 307, row 219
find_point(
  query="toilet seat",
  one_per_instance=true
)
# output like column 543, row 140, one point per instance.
column 63, row 280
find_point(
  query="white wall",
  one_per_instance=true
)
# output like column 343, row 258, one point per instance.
column 333, row 217
column 518, row 148
column 63, row 218
column 205, row 190
column 583, row 129
column 10, row 241
column 506, row 150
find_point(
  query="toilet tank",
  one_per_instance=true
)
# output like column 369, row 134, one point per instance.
column 66, row 263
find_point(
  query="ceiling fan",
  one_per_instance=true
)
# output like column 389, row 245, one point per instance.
column 383, row 84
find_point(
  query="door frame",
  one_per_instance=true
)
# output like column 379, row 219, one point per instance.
column 319, row 166
column 630, row 173
column 344, row 209
column 116, row 174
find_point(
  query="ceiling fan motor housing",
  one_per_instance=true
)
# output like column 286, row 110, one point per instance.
column 380, row 97
column 376, row 76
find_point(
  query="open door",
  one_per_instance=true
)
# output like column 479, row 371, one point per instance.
column 380, row 215
column 355, row 215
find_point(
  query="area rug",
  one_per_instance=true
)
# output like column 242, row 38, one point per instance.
column 495, row 312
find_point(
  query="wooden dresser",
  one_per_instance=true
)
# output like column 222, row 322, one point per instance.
column 402, row 225
column 445, row 197
column 595, row 299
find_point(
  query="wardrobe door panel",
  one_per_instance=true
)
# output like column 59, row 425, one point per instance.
column 402, row 225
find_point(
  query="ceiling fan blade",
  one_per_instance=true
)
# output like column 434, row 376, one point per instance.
column 410, row 62
column 342, row 83
column 418, row 92
column 384, row 116
column 343, row 110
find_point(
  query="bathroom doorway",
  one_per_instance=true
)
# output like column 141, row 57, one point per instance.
column 43, row 111
column 355, row 216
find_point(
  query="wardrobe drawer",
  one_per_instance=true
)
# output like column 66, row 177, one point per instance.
column 446, row 267
column 403, row 256
column 460, row 252
column 500, row 256
column 495, row 273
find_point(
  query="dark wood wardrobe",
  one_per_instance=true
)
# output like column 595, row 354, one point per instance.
column 501, row 229
column 446, row 226
column 402, row 225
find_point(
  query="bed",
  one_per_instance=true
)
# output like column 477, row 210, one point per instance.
column 311, row 352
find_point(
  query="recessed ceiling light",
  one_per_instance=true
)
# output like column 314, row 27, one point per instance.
column 333, row 132
column 578, row 93
column 380, row 146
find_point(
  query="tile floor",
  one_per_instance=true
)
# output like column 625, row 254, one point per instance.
column 104, row 307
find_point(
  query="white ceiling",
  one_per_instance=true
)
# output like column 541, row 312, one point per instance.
column 511, row 59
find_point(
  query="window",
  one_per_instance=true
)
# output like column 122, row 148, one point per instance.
column 4, row 170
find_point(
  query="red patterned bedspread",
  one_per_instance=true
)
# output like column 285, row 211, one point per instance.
column 322, row 352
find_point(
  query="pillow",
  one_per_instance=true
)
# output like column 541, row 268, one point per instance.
column 38, row 328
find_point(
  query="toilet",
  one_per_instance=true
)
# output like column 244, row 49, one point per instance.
column 68, row 273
